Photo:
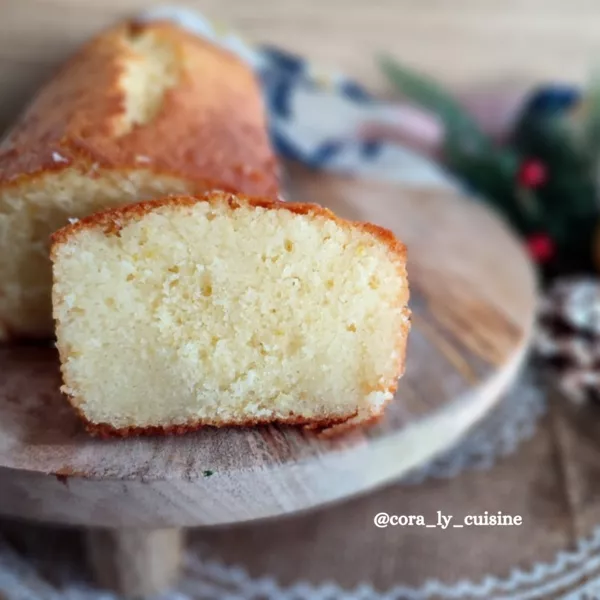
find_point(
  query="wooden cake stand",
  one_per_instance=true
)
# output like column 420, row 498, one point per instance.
column 472, row 296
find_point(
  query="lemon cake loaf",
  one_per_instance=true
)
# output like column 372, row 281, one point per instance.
column 221, row 310
column 140, row 112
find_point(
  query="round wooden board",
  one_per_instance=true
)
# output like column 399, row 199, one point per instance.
column 472, row 296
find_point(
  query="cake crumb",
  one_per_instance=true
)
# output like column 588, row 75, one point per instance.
column 216, row 333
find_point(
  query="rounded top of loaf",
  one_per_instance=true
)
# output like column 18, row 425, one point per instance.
column 147, row 96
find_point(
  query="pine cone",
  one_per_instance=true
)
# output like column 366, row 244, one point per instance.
column 568, row 337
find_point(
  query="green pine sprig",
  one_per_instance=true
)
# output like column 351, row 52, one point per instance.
column 563, row 138
column 590, row 122
column 458, row 123
column 468, row 152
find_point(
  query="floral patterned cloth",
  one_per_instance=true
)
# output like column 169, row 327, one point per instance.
column 315, row 115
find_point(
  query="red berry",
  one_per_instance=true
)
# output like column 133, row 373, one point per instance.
column 532, row 173
column 541, row 247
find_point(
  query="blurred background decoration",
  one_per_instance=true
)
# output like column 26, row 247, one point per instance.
column 542, row 174
column 541, row 170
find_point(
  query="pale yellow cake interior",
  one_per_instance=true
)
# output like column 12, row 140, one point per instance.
column 31, row 211
column 203, row 313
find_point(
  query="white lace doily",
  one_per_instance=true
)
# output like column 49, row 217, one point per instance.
column 537, row 583
column 205, row 579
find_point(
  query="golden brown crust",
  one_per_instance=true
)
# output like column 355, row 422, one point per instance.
column 105, row 430
column 210, row 128
column 114, row 219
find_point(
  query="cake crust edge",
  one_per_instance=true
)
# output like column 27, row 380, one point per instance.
column 115, row 218
column 107, row 431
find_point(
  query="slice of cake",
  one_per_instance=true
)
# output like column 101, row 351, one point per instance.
column 142, row 111
column 227, row 310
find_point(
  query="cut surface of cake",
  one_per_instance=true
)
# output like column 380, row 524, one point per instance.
column 140, row 112
column 225, row 310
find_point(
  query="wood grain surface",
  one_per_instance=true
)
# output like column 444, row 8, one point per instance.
column 463, row 42
column 473, row 296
